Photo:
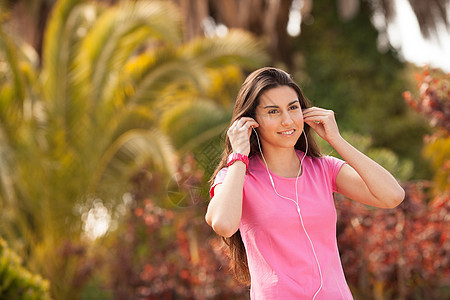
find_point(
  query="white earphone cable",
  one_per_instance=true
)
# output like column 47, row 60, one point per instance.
column 296, row 203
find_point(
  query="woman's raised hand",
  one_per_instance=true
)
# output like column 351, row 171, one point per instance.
column 239, row 134
column 322, row 121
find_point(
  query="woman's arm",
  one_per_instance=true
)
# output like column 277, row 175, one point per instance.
column 225, row 208
column 362, row 180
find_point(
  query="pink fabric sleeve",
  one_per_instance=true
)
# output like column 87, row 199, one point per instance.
column 334, row 165
column 219, row 179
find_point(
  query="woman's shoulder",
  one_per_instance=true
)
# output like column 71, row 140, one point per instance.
column 323, row 161
column 327, row 163
column 320, row 159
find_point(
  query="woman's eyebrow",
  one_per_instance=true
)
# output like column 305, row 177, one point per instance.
column 276, row 106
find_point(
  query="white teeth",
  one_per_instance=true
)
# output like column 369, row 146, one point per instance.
column 288, row 132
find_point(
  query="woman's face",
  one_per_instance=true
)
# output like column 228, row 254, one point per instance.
column 280, row 118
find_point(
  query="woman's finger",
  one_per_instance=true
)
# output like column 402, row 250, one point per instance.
column 315, row 111
column 246, row 121
column 315, row 119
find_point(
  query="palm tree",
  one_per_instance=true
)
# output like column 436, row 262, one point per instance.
column 73, row 130
column 261, row 17
column 270, row 18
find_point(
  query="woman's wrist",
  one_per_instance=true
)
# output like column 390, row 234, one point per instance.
column 235, row 156
column 337, row 142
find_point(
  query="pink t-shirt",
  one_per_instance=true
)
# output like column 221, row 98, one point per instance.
column 280, row 257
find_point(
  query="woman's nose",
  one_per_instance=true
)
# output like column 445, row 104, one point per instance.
column 286, row 119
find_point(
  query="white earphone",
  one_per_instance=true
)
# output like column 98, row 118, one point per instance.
column 296, row 202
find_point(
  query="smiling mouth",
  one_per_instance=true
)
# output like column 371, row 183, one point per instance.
column 287, row 132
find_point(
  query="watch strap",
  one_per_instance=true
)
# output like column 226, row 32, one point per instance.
column 237, row 156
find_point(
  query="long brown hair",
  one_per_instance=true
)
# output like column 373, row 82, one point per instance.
column 247, row 100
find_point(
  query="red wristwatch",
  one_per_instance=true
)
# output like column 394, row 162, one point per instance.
column 237, row 156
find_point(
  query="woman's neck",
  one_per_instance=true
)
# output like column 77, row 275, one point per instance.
column 282, row 161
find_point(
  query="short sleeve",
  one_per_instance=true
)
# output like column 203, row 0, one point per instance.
column 218, row 179
column 334, row 165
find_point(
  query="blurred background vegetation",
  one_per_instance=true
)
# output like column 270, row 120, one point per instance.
column 112, row 118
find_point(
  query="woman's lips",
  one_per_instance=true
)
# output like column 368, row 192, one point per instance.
column 287, row 132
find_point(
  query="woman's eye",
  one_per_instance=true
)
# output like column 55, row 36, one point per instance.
column 273, row 111
column 293, row 107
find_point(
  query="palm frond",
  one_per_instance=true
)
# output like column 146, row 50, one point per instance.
column 15, row 88
column 55, row 58
column 64, row 106
column 130, row 151
column 237, row 47
column 224, row 84
column 7, row 50
column 118, row 34
column 139, row 117
column 430, row 14
column 7, row 191
column 206, row 121
column 147, row 76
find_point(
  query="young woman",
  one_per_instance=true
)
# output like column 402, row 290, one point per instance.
column 272, row 193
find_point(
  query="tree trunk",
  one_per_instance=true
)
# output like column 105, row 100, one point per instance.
column 262, row 18
column 194, row 13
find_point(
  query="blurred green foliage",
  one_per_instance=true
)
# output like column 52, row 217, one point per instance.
column 401, row 169
column 433, row 102
column 341, row 68
column 438, row 152
column 16, row 282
